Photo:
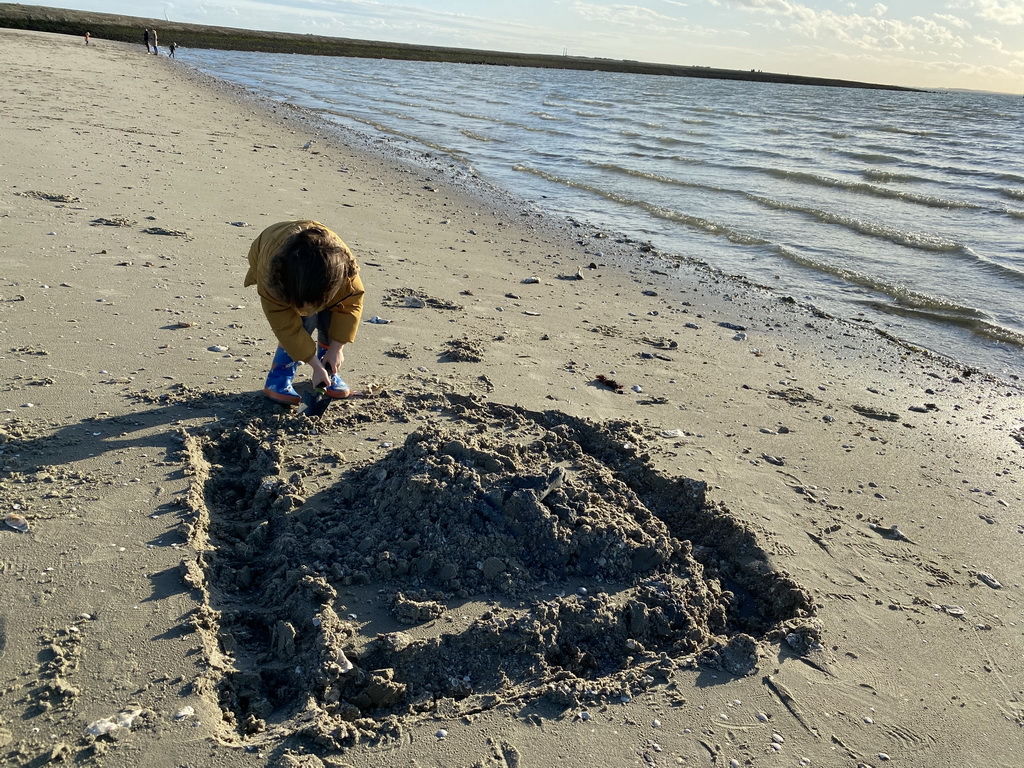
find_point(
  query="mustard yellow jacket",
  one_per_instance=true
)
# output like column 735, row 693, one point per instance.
column 346, row 305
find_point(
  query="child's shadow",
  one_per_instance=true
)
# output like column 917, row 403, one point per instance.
column 157, row 427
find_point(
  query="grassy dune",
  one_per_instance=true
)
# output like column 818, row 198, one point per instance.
column 129, row 29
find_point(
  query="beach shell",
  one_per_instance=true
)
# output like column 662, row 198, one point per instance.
column 17, row 522
column 101, row 727
column 415, row 302
column 530, row 280
column 126, row 717
column 379, row 320
column 989, row 579
column 123, row 719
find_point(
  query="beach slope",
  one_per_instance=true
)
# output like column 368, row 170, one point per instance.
column 592, row 505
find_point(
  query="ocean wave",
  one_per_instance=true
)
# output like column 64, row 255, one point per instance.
column 887, row 177
column 983, row 327
column 903, row 301
column 476, row 136
column 919, row 240
column 869, row 157
column 916, row 240
column 917, row 132
column 661, row 179
column 868, row 189
column 388, row 130
column 658, row 211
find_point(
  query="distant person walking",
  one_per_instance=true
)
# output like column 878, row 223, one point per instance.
column 145, row 39
column 86, row 38
column 174, row 47
column 152, row 39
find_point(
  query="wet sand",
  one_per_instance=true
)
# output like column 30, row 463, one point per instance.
column 583, row 514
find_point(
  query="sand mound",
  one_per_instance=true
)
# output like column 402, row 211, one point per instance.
column 492, row 555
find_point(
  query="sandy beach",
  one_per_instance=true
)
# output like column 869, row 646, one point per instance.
column 594, row 505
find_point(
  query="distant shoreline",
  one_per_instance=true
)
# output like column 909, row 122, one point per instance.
column 129, row 29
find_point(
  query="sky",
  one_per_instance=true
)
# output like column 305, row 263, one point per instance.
column 975, row 44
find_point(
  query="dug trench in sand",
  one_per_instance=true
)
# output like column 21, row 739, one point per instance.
column 494, row 509
column 802, row 497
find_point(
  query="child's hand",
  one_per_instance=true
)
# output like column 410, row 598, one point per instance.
column 321, row 376
column 334, row 356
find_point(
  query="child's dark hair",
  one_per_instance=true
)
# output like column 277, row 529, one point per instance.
column 310, row 268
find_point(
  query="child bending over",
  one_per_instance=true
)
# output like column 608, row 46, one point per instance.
column 308, row 280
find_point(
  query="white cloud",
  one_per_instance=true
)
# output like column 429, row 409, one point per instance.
column 629, row 15
column 781, row 7
column 953, row 21
column 992, row 43
column 1009, row 12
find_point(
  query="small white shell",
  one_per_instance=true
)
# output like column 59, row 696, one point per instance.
column 101, row 727
column 126, row 717
column 17, row 522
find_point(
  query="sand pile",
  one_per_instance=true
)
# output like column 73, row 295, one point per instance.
column 577, row 571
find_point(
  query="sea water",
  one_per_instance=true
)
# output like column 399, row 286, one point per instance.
column 902, row 210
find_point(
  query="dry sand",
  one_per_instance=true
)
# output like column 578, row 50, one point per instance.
column 784, row 541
